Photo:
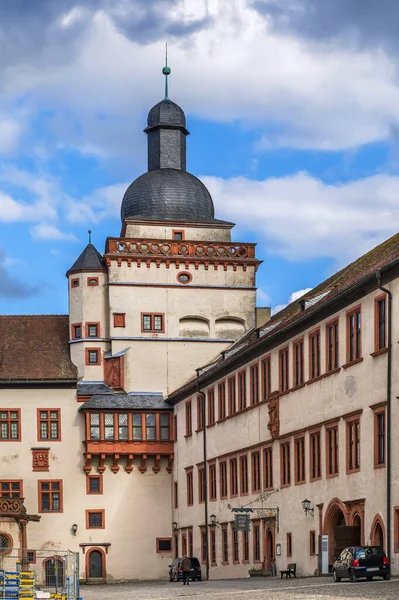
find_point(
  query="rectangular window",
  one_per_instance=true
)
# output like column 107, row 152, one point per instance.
column 289, row 544
column 222, row 401
column 184, row 544
column 119, row 319
column 95, row 519
column 379, row 438
column 299, row 446
column 137, row 427
column 225, row 545
column 284, row 369
column 256, row 542
column 50, row 496
column 109, row 427
column 266, row 377
column 31, row 556
column 77, row 331
column 212, row 482
column 314, row 354
column 164, row 545
column 175, row 495
column 11, row 488
column 94, row 484
column 92, row 330
column 189, row 422
column 75, row 283
column 49, row 424
column 242, row 390
column 244, row 474
column 178, row 234
column 380, row 320
column 151, row 429
column 204, row 550
column 232, row 395
column 285, row 461
column 254, row 376
column 123, row 427
column 93, row 356
column 268, row 468
column 223, row 479
column 315, row 455
column 332, row 341
column 165, row 427
column 245, row 546
column 201, row 484
column 189, row 484
column 10, row 425
column 190, row 542
column 152, row 322
column 312, row 543
column 211, row 407
column 212, row 533
column 353, row 445
column 233, row 477
column 256, row 472
column 332, row 454
column 200, row 412
column 94, row 426
column 354, row 339
column 236, row 555
column 298, row 363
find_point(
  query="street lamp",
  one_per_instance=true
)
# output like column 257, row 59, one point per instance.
column 74, row 529
column 213, row 520
column 174, row 526
column 306, row 505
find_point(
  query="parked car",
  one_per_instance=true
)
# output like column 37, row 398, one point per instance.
column 176, row 573
column 362, row 561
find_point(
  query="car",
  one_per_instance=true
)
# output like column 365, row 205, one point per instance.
column 176, row 573
column 361, row 561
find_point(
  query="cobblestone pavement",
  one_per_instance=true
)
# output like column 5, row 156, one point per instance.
column 248, row 589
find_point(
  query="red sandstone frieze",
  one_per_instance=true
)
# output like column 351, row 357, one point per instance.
column 182, row 249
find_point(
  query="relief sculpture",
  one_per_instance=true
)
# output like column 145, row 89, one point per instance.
column 274, row 417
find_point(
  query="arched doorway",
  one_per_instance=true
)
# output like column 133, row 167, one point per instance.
column 54, row 572
column 334, row 524
column 377, row 534
column 269, row 548
column 95, row 564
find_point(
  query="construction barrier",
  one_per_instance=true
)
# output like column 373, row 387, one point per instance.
column 27, row 575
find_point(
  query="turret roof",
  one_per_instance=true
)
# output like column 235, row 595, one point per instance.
column 89, row 260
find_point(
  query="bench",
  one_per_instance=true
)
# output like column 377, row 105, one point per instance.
column 290, row 570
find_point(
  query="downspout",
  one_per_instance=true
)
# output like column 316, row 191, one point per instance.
column 389, row 407
column 205, row 479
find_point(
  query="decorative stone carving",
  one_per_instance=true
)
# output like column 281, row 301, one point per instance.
column 274, row 417
column 40, row 459
column 113, row 372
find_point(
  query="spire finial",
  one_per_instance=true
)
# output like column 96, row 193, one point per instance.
column 166, row 72
column 89, row 232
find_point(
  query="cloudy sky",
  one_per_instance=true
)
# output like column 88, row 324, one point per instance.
column 292, row 105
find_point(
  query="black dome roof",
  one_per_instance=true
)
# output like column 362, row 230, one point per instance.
column 168, row 195
column 166, row 112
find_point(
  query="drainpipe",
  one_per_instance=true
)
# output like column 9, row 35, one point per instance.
column 389, row 407
column 205, row 479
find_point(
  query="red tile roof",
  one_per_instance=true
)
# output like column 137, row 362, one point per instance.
column 35, row 347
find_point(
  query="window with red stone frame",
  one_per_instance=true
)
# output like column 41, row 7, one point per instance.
column 11, row 488
column 222, row 401
column 10, row 425
column 353, row 335
column 152, row 322
column 283, row 356
column 285, row 464
column 225, row 545
column 223, row 479
column 298, row 362
column 332, row 345
column 353, row 445
column 254, row 381
column 379, row 437
column 242, row 390
column 211, row 406
column 314, row 354
column 268, row 468
column 266, row 380
column 256, row 472
column 231, row 391
column 175, row 495
column 299, row 453
column 203, row 545
column 380, row 323
column 189, row 486
column 332, row 450
column 256, row 542
column 201, row 484
column 50, row 495
column 212, row 482
column 243, row 475
column 233, row 477
column 200, row 412
column 315, row 455
column 48, row 424
column 289, row 544
column 189, row 422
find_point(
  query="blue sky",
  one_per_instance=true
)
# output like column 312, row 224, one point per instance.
column 293, row 113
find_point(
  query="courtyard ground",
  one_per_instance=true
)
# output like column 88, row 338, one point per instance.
column 248, row 589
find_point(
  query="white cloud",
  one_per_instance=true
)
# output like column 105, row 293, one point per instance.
column 301, row 217
column 46, row 232
column 101, row 203
column 10, row 131
column 294, row 296
column 317, row 94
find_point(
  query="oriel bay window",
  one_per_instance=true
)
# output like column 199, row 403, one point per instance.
column 126, row 426
column 332, row 341
column 11, row 488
